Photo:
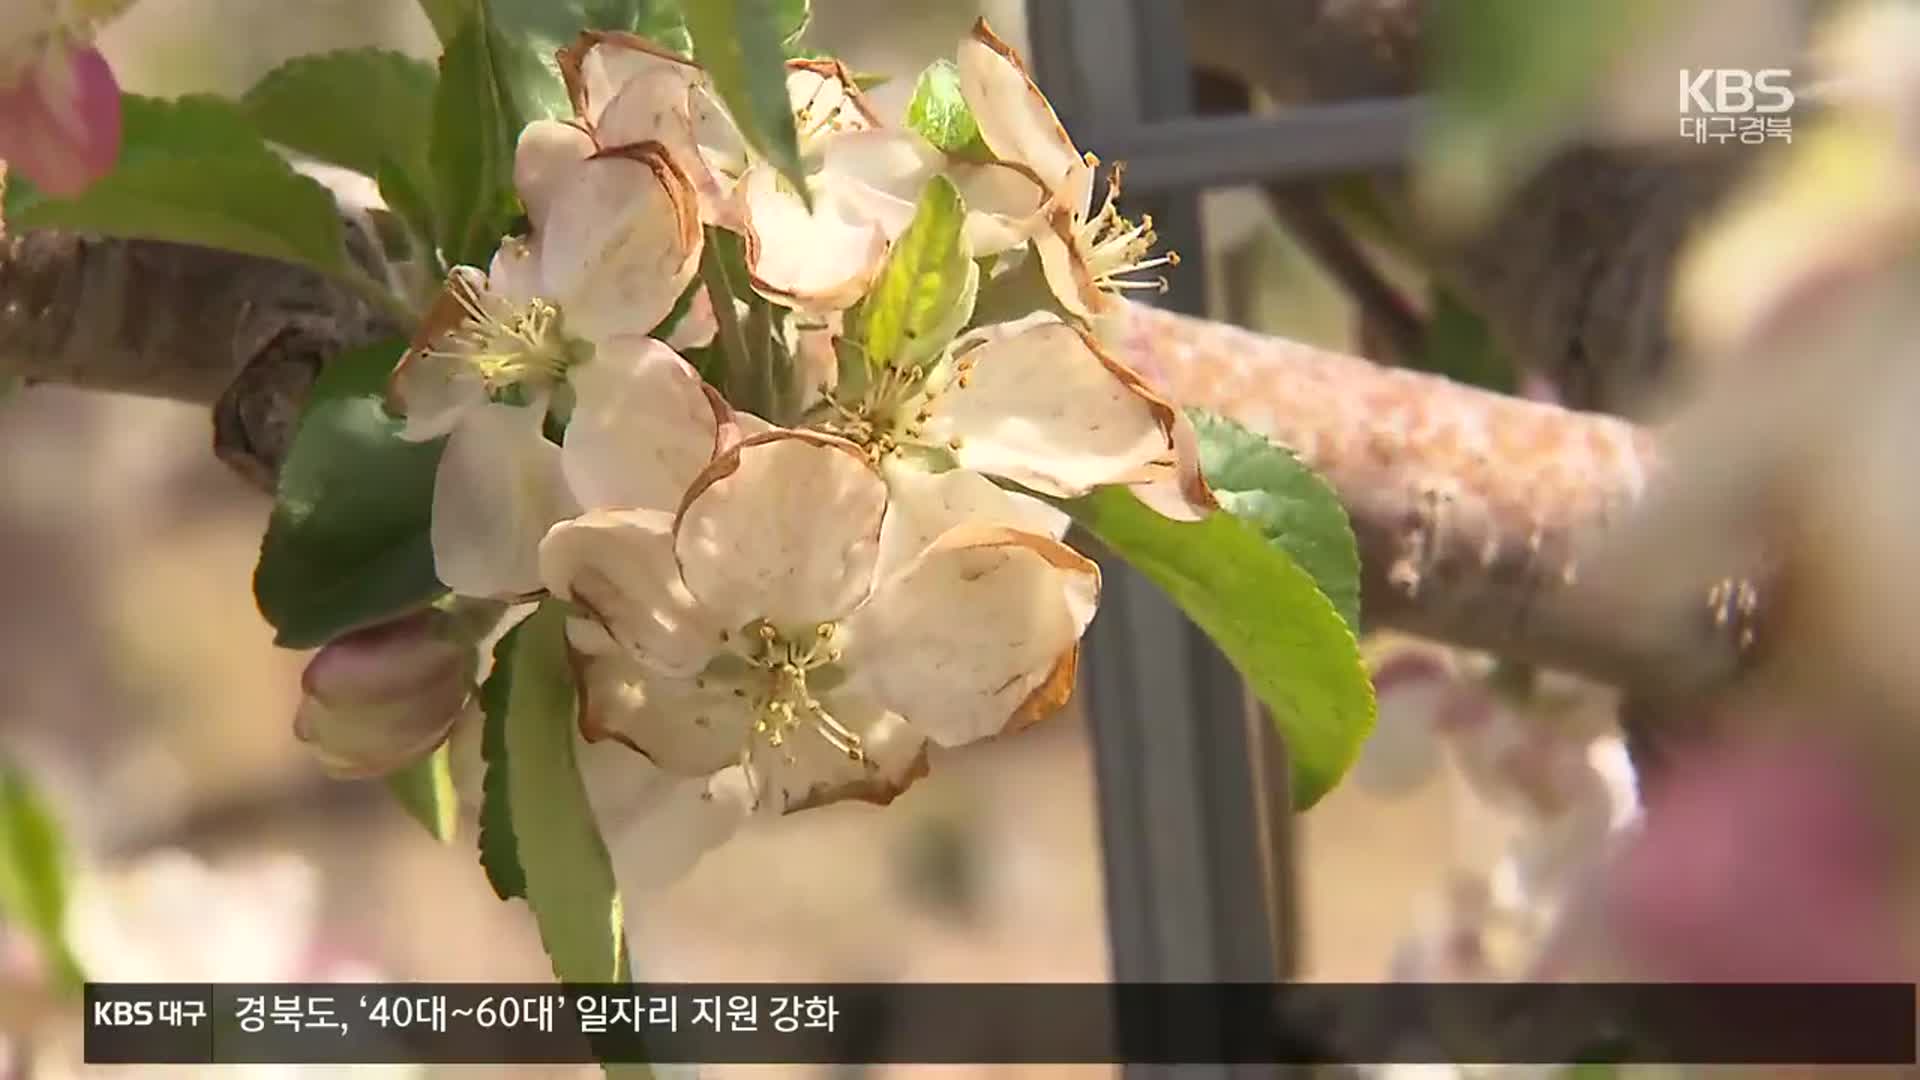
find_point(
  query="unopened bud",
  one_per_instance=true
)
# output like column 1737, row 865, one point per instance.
column 380, row 698
column 60, row 119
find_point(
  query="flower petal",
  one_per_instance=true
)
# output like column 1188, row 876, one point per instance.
column 60, row 124
column 784, row 526
column 825, row 100
column 622, row 243
column 601, row 64
column 618, row 565
column 1005, row 204
column 818, row 262
column 513, row 277
column 878, row 173
column 923, row 506
column 435, row 392
column 657, row 826
column 497, row 491
column 807, row 771
column 1040, row 403
column 697, row 328
column 1175, row 486
column 1016, row 122
column 687, row 726
column 1066, row 269
column 643, row 426
column 432, row 390
column 544, row 159
column 961, row 640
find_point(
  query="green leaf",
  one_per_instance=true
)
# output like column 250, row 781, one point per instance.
column 33, row 872
column 926, row 290
column 569, row 875
column 1268, row 617
column 1460, row 346
column 939, row 112
column 347, row 545
column 195, row 171
column 447, row 16
column 475, row 125
column 425, row 790
column 742, row 44
column 1511, row 76
column 362, row 109
column 499, row 851
column 410, row 203
column 1263, row 484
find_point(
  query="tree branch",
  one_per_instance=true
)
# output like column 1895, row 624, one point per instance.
column 1475, row 512
column 1470, row 508
column 244, row 334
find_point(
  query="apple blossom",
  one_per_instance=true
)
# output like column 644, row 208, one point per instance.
column 781, row 635
column 616, row 244
column 1085, row 252
column 1036, row 401
column 626, row 91
column 59, row 103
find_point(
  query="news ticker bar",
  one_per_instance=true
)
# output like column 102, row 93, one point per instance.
column 991, row 1023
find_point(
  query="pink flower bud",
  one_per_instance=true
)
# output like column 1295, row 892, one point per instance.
column 60, row 119
column 1760, row 863
column 380, row 698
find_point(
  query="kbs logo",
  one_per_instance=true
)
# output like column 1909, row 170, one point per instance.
column 1729, row 91
column 1720, row 104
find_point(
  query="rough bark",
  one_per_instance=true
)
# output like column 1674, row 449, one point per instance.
column 164, row 320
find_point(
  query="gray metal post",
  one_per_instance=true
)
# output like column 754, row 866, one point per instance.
column 1191, row 782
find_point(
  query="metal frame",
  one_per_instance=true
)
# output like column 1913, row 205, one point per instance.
column 1194, row 809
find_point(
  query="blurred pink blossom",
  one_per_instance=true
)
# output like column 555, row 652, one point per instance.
column 60, row 117
column 1760, row 863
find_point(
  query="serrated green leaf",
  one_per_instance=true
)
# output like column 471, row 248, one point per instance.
column 475, row 126
column 742, row 44
column 362, row 109
column 940, row 113
column 1265, row 613
column 926, row 290
column 1263, row 484
column 195, row 171
column 569, row 875
column 33, row 872
column 425, row 790
column 347, row 545
column 499, row 851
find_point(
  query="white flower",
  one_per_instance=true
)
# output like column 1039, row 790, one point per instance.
column 1085, row 252
column 628, row 91
column 820, row 259
column 880, row 173
column 790, row 638
column 616, row 242
column 1039, row 402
